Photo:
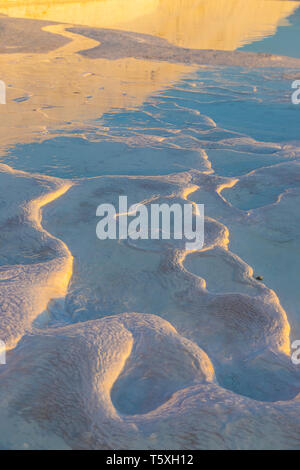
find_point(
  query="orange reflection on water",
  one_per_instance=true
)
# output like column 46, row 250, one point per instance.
column 63, row 90
column 201, row 24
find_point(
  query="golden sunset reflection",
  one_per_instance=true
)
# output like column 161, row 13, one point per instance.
column 201, row 24
column 62, row 90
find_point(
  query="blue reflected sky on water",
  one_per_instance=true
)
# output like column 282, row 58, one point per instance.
column 286, row 41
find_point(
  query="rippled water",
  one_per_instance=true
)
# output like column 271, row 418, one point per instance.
column 140, row 344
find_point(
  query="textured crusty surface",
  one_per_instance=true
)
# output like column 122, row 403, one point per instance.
column 25, row 35
column 117, row 44
column 142, row 343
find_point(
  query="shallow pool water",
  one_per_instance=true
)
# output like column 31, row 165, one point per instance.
column 284, row 42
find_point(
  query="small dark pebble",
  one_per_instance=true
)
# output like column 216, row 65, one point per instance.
column 259, row 278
